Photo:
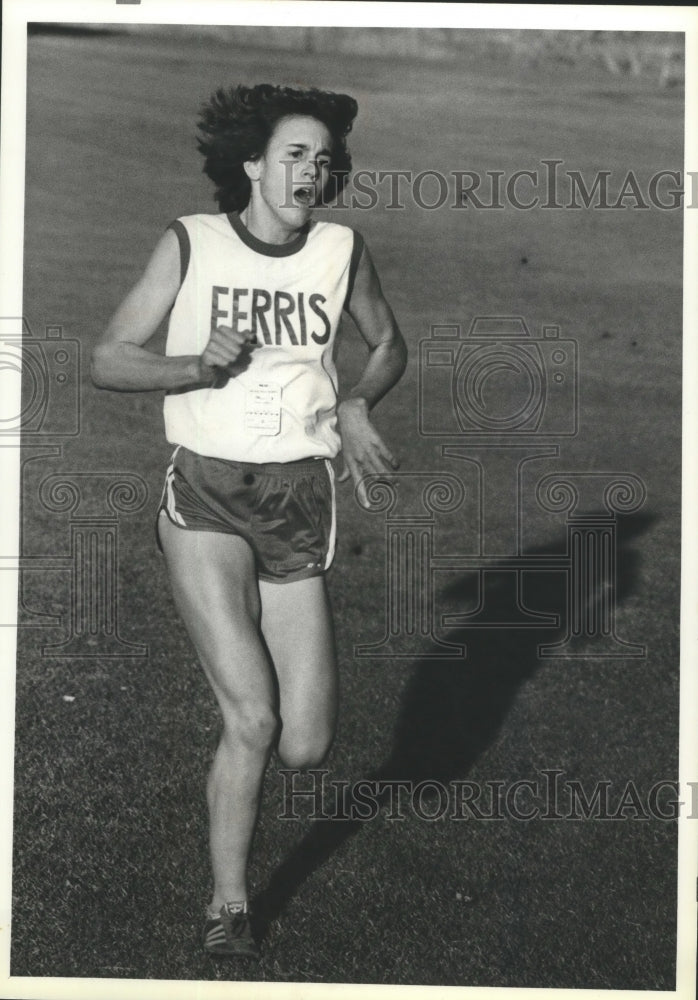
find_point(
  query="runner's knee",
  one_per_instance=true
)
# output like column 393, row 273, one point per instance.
column 251, row 723
column 304, row 751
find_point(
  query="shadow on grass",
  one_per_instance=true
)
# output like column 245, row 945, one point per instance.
column 452, row 710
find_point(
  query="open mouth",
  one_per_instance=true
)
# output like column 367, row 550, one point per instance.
column 304, row 196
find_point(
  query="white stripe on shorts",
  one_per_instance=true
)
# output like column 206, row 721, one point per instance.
column 172, row 511
column 333, row 529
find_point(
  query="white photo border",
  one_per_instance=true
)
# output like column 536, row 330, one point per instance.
column 16, row 15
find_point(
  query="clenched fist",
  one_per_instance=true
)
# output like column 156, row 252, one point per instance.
column 225, row 347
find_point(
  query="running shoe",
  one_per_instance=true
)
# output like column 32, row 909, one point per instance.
column 230, row 933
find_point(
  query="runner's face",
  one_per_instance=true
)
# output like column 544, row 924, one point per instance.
column 294, row 169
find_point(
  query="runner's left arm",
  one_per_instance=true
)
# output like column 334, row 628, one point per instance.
column 363, row 449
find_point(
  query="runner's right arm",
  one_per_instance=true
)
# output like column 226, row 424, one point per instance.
column 120, row 360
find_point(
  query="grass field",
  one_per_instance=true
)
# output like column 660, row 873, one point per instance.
column 111, row 868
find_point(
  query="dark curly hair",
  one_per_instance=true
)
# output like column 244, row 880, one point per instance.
column 236, row 124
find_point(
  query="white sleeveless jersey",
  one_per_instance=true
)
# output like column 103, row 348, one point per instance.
column 281, row 407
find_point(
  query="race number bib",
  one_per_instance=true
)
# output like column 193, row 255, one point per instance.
column 263, row 408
